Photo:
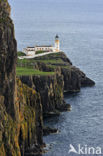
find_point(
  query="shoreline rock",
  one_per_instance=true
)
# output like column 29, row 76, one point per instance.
column 87, row 82
column 48, row 131
column 67, row 79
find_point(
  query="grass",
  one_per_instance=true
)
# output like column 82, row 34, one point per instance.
column 23, row 61
column 48, row 61
column 52, row 61
column 40, row 52
column 22, row 71
column 19, row 53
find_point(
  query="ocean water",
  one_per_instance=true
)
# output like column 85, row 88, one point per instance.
column 79, row 23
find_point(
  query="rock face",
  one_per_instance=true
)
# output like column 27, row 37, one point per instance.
column 67, row 78
column 72, row 82
column 30, row 126
column 21, row 123
column 73, row 77
column 17, row 136
column 20, row 106
column 8, row 54
column 50, row 89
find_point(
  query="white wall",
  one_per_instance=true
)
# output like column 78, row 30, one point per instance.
column 44, row 48
column 30, row 53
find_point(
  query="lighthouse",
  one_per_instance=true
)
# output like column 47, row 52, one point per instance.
column 31, row 51
column 57, row 43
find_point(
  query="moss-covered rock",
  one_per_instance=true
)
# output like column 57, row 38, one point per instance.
column 73, row 77
column 67, row 78
column 30, row 117
column 20, row 106
column 8, row 54
column 18, row 136
column 51, row 90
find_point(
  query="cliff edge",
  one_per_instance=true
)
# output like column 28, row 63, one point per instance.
column 52, row 75
column 35, row 92
column 8, row 55
column 20, row 106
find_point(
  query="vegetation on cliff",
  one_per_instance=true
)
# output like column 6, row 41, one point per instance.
column 20, row 53
column 66, row 77
column 20, row 71
column 17, row 136
column 20, row 106
column 54, row 60
column 74, row 78
column 8, row 53
column 38, row 90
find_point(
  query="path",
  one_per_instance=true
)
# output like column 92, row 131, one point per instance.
column 38, row 55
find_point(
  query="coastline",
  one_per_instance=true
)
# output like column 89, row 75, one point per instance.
column 33, row 95
column 51, row 87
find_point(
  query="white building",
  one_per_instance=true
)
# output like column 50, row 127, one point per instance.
column 30, row 51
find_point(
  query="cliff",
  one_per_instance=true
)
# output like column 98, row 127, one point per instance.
column 30, row 122
column 37, row 91
column 51, row 91
column 20, row 107
column 66, row 78
column 8, row 54
column 73, row 77
column 18, row 136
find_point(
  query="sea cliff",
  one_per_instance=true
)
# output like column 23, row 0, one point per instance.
column 66, row 78
column 32, row 90
column 20, row 106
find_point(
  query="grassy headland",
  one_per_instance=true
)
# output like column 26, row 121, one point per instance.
column 30, row 71
column 51, row 61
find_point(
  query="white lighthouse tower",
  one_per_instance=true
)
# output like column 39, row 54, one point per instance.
column 57, row 43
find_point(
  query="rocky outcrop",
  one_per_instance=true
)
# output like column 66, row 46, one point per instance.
column 72, row 82
column 20, row 106
column 73, row 77
column 48, row 130
column 66, row 78
column 5, row 9
column 30, row 127
column 21, row 123
column 51, row 92
column 8, row 53
column 18, row 136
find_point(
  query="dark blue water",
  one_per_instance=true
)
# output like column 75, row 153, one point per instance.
column 79, row 24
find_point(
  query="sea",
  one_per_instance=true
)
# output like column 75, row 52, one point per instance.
column 79, row 24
